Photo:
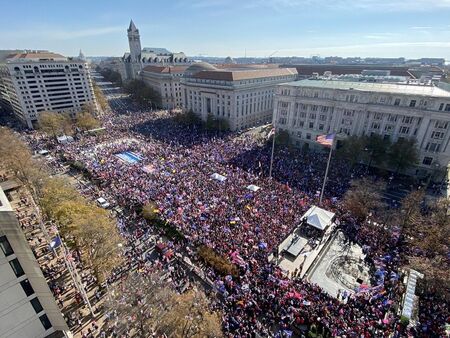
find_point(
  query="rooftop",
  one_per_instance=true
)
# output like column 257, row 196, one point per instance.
column 36, row 56
column 236, row 75
column 4, row 203
column 391, row 88
column 165, row 69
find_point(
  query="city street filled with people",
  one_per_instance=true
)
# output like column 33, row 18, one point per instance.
column 172, row 167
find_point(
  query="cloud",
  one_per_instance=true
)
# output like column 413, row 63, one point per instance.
column 421, row 27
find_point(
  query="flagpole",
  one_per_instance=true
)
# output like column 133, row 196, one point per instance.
column 273, row 148
column 326, row 173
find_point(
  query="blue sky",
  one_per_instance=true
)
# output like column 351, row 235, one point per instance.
column 381, row 28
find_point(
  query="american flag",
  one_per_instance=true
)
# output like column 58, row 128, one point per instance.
column 271, row 132
column 326, row 140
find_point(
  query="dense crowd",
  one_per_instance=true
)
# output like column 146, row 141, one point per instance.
column 174, row 172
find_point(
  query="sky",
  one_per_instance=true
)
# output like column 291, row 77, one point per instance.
column 256, row 28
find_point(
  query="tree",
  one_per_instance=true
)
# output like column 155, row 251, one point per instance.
column 54, row 123
column 145, row 304
column 352, row 149
column 403, row 154
column 282, row 137
column 150, row 211
column 83, row 223
column 216, row 123
column 85, row 119
column 376, row 148
column 410, row 215
column 188, row 118
column 16, row 158
column 364, row 197
column 142, row 93
column 101, row 99
column 191, row 317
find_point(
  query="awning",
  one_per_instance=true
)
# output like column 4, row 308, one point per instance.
column 218, row 177
column 253, row 187
column 319, row 218
column 9, row 185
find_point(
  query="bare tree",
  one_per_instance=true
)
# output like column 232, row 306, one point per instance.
column 146, row 304
column 364, row 197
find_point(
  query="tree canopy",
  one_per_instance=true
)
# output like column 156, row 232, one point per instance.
column 142, row 93
column 403, row 154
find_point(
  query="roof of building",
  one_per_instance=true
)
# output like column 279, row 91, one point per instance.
column 36, row 55
column 5, row 54
column 156, row 50
column 236, row 75
column 132, row 27
column 165, row 69
column 199, row 67
column 393, row 88
column 348, row 69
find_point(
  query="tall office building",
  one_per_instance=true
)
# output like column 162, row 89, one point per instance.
column 36, row 81
column 27, row 306
column 309, row 108
column 241, row 94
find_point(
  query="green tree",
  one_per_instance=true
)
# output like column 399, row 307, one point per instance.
column 403, row 154
column 352, row 149
column 376, row 149
column 282, row 137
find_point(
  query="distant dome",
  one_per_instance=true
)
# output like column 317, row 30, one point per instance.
column 198, row 67
column 229, row 60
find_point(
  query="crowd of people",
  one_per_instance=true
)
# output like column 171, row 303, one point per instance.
column 174, row 172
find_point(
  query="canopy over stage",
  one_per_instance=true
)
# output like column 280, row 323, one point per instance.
column 218, row 177
column 253, row 187
column 303, row 245
column 318, row 218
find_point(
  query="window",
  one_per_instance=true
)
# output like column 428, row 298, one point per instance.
column 437, row 135
column 441, row 106
column 5, row 246
column 17, row 268
column 397, row 102
column 308, row 136
column 441, row 124
column 45, row 322
column 427, row 160
column 447, row 107
column 36, row 305
column 404, row 130
column 27, row 288
column 412, row 103
column 407, row 119
column 311, row 125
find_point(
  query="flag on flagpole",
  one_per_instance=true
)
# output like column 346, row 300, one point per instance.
column 271, row 132
column 326, row 140
column 56, row 242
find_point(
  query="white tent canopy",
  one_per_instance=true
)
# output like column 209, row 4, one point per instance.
column 218, row 177
column 253, row 187
column 64, row 139
column 318, row 218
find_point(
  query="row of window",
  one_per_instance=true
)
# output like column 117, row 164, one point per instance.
column 7, row 250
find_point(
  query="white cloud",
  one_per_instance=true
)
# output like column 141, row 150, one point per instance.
column 421, row 27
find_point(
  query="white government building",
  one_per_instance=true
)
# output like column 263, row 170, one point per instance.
column 36, row 81
column 27, row 306
column 309, row 108
column 241, row 94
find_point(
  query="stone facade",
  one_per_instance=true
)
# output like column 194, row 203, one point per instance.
column 243, row 96
column 309, row 108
